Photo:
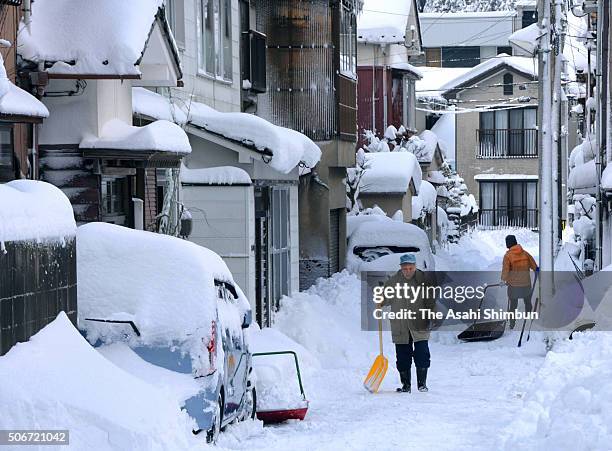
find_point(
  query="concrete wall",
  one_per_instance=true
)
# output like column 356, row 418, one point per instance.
column 468, row 165
column 389, row 202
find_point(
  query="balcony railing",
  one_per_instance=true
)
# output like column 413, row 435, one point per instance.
column 508, row 217
column 507, row 143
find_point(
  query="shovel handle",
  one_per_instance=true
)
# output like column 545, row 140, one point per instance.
column 380, row 335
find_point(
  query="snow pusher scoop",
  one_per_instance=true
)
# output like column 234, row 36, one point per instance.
column 379, row 367
column 274, row 416
column 488, row 331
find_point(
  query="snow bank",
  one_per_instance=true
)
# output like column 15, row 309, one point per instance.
column 57, row 381
column 153, row 105
column 288, row 147
column 16, row 101
column 383, row 21
column 34, row 210
column 221, row 175
column 162, row 136
column 276, row 376
column 569, row 404
column 105, row 38
column 390, row 172
column 164, row 284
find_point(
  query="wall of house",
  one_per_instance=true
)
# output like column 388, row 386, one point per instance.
column 222, row 221
column 467, row 164
column 389, row 202
column 220, row 94
column 379, row 55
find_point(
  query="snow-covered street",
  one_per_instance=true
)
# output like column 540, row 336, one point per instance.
column 476, row 389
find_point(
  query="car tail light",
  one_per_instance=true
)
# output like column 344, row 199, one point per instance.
column 211, row 347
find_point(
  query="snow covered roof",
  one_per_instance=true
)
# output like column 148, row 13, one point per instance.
column 162, row 283
column 431, row 144
column 434, row 79
column 221, row 175
column 408, row 68
column 152, row 105
column 523, row 65
column 527, row 38
column 444, row 129
column 89, row 38
column 390, row 172
column 490, row 28
column 34, row 210
column 384, row 21
column 14, row 101
column 288, row 147
column 436, row 177
column 161, row 136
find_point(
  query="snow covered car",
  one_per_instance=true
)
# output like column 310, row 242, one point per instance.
column 378, row 244
column 175, row 305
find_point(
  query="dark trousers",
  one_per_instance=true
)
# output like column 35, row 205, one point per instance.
column 514, row 293
column 417, row 350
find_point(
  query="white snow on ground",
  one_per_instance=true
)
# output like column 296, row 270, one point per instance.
column 58, row 381
column 467, row 381
column 34, row 210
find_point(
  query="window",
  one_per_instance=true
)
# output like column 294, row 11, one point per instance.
column 508, row 133
column 215, row 32
column 504, row 49
column 7, row 170
column 348, row 36
column 529, row 18
column 508, row 84
column 114, row 199
column 460, row 56
column 175, row 16
column 506, row 203
column 280, row 249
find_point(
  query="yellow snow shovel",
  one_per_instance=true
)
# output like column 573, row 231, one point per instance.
column 379, row 367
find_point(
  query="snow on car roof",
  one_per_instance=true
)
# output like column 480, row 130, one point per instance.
column 164, row 284
column 388, row 233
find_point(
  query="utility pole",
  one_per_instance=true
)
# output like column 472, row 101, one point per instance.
column 556, row 126
column 546, row 160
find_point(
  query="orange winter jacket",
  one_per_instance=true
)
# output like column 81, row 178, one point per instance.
column 517, row 263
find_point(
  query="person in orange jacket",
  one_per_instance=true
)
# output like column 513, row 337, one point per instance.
column 515, row 273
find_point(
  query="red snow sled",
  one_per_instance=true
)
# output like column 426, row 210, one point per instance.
column 275, row 416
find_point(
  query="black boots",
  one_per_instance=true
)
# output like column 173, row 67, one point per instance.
column 405, row 378
column 422, row 379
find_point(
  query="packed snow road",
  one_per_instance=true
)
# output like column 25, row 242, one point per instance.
column 476, row 389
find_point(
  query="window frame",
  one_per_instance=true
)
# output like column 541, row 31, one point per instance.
column 509, row 207
column 215, row 58
column 7, row 171
column 508, row 84
column 509, row 134
column 348, row 40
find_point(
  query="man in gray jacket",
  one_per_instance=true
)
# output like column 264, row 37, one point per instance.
column 410, row 334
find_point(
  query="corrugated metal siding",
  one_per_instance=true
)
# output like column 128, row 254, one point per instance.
column 300, row 63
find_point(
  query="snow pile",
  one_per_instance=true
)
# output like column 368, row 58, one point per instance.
column 606, row 177
column 370, row 214
column 162, row 136
column 569, row 405
column 444, row 129
column 288, row 147
column 527, row 38
column 162, row 283
column 276, row 376
column 390, row 172
column 58, row 381
column 408, row 68
column 583, row 177
column 102, row 38
column 431, row 144
column 16, row 101
column 221, row 175
column 326, row 320
column 150, row 104
column 34, row 210
column 383, row 21
column 425, row 202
